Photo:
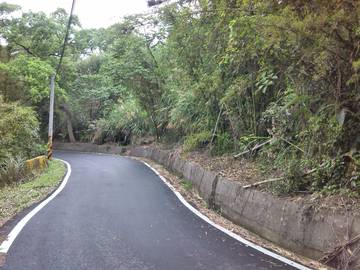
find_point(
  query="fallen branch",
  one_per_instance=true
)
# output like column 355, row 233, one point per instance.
column 277, row 179
column 256, row 147
column 264, row 182
column 331, row 256
column 294, row 145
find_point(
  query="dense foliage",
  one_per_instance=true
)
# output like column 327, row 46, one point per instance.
column 19, row 138
column 228, row 75
column 19, row 129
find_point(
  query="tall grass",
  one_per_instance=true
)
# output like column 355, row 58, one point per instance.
column 12, row 170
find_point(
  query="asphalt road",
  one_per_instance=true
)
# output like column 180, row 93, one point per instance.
column 115, row 213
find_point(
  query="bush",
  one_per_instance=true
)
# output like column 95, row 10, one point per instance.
column 223, row 144
column 196, row 141
column 125, row 119
column 19, row 131
column 11, row 170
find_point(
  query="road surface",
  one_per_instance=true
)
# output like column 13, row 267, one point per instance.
column 115, row 213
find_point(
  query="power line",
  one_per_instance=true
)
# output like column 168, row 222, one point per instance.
column 66, row 38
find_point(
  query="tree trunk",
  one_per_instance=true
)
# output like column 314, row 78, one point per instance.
column 68, row 123
column 70, row 130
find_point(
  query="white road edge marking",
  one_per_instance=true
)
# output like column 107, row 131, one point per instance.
column 231, row 234
column 4, row 247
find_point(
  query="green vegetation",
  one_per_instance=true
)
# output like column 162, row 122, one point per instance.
column 250, row 72
column 187, row 185
column 197, row 140
column 12, row 170
column 19, row 129
column 16, row 197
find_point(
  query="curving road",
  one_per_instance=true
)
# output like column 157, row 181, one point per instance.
column 115, row 213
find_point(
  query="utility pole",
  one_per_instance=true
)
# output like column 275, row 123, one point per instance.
column 51, row 117
column 52, row 86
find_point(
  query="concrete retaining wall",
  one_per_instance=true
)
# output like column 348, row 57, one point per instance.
column 89, row 147
column 37, row 163
column 295, row 225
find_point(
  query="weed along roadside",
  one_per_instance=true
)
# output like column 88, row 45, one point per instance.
column 37, row 185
